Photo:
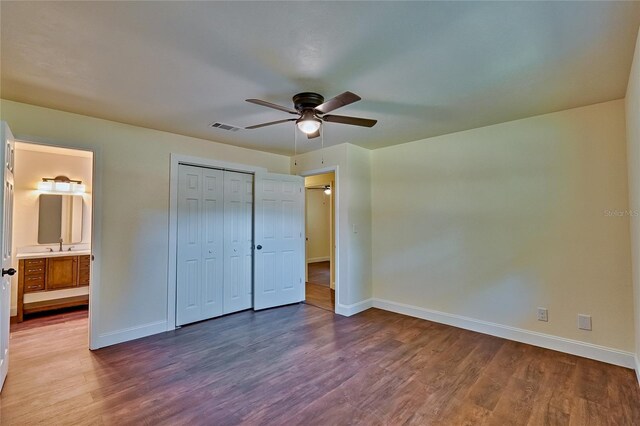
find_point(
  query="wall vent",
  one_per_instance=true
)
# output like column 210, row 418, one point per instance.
column 224, row 127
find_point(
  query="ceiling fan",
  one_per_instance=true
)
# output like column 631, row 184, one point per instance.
column 312, row 110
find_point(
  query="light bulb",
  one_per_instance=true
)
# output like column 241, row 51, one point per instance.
column 308, row 126
column 327, row 191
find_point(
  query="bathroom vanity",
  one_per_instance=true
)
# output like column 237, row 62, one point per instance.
column 52, row 280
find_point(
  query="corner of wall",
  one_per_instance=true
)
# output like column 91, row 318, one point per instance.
column 632, row 105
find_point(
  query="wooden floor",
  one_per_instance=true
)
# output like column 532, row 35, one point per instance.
column 318, row 291
column 320, row 273
column 303, row 365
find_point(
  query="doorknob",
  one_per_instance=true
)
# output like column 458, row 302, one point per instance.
column 259, row 247
column 10, row 272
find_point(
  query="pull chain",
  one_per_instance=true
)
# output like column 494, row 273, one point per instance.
column 295, row 146
column 322, row 141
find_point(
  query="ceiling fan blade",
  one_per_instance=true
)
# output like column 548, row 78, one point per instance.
column 274, row 106
column 339, row 101
column 314, row 135
column 355, row 121
column 269, row 123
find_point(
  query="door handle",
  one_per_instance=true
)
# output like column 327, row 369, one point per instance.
column 11, row 272
column 259, row 247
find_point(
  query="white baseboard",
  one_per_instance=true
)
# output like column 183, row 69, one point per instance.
column 348, row 310
column 318, row 259
column 13, row 311
column 561, row 344
column 131, row 333
column 638, row 368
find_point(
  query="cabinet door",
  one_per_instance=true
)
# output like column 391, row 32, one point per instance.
column 61, row 272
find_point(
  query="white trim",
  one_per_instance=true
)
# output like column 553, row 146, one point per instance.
column 336, row 238
column 175, row 161
column 318, row 259
column 637, row 368
column 548, row 341
column 130, row 333
column 13, row 311
column 348, row 310
column 96, row 226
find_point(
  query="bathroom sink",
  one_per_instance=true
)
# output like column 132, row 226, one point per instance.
column 40, row 254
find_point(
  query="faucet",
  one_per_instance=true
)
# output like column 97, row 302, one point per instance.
column 50, row 249
column 70, row 248
column 60, row 241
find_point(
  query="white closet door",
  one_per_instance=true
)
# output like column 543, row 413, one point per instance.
column 200, row 244
column 238, row 237
column 279, row 239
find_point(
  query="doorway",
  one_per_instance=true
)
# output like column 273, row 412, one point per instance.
column 51, row 236
column 320, row 240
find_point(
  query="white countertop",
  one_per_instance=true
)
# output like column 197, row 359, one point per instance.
column 42, row 254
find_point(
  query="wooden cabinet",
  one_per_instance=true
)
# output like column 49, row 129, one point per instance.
column 51, row 273
column 62, row 272
column 33, row 276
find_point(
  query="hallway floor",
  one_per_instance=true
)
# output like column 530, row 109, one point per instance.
column 318, row 291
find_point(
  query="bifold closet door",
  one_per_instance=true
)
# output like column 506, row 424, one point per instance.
column 238, row 241
column 200, row 244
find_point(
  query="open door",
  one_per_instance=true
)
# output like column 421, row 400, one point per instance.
column 6, row 224
column 279, row 240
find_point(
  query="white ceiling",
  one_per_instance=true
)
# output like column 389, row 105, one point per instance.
column 422, row 69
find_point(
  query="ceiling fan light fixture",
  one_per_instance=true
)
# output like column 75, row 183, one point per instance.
column 308, row 123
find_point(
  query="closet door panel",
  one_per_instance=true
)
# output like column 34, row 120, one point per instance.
column 200, row 244
column 213, row 244
column 189, row 250
column 238, row 217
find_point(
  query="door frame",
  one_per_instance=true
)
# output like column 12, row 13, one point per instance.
column 175, row 161
column 96, row 227
column 336, row 236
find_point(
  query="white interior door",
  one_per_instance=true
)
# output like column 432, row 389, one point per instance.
column 200, row 244
column 6, row 225
column 238, row 241
column 279, row 238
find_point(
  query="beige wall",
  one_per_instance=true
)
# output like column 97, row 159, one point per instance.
column 633, row 156
column 353, row 194
column 133, row 174
column 494, row 222
column 30, row 167
column 318, row 220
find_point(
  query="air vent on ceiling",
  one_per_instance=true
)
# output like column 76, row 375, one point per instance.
column 225, row 127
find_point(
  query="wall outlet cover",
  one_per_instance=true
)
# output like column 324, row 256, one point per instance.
column 543, row 314
column 584, row 322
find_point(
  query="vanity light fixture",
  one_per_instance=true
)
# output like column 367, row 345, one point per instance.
column 61, row 184
column 327, row 189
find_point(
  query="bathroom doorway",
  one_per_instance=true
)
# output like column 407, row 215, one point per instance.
column 320, row 192
column 52, row 233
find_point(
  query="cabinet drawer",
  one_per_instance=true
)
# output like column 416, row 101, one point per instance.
column 33, row 283
column 83, row 278
column 34, row 270
column 34, row 262
column 33, row 287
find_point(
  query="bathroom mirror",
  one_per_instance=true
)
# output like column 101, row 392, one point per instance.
column 60, row 217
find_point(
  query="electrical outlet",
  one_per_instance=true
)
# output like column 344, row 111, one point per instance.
column 584, row 322
column 543, row 314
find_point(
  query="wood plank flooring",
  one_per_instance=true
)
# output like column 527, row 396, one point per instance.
column 300, row 365
column 318, row 291
column 320, row 273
